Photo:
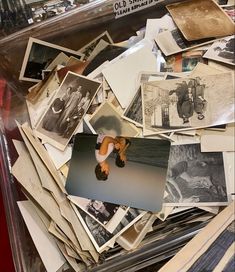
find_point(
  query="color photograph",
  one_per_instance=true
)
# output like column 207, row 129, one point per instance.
column 115, row 169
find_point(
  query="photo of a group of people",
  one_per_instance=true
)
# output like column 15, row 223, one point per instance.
column 190, row 99
column 190, row 102
column 67, row 109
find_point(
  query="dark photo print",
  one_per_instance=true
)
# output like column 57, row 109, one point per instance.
column 195, row 177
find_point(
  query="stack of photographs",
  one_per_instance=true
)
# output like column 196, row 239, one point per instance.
column 127, row 143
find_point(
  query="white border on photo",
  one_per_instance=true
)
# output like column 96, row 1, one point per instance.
column 86, row 120
column 118, row 114
column 113, row 239
column 206, row 204
column 211, row 54
column 96, row 39
column 168, row 45
column 113, row 221
column 148, row 74
column 51, row 140
column 28, row 51
column 211, row 93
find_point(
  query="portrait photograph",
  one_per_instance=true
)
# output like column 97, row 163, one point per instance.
column 195, row 178
column 114, row 169
column 107, row 120
column 66, row 110
column 222, row 50
column 39, row 55
column 187, row 103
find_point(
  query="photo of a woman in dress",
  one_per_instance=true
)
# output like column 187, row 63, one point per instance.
column 50, row 123
column 105, row 145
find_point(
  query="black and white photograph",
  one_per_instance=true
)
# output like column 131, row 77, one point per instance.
column 172, row 42
column 101, row 165
column 133, row 112
column 66, row 110
column 99, row 210
column 194, row 177
column 212, row 249
column 212, row 260
column 87, row 127
column 39, row 55
column 99, row 236
column 107, row 120
column 223, row 51
column 187, row 103
column 88, row 48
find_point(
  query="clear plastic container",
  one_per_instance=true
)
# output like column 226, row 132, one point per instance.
column 73, row 30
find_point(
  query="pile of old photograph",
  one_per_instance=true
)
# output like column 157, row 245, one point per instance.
column 126, row 135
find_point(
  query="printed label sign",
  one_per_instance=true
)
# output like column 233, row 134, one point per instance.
column 125, row 7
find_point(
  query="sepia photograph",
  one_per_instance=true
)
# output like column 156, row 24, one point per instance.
column 107, row 120
column 101, row 165
column 195, row 22
column 186, row 103
column 40, row 97
column 195, row 178
column 39, row 55
column 88, row 48
column 222, row 50
column 110, row 97
column 133, row 236
column 99, row 236
column 133, row 112
column 66, row 110
column 61, row 59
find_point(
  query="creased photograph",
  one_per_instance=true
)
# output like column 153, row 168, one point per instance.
column 99, row 236
column 186, row 103
column 39, row 55
column 222, row 51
